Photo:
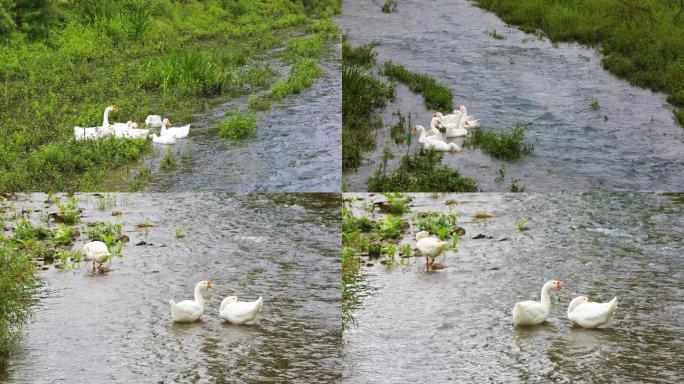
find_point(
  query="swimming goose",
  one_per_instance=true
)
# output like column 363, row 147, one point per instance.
column 591, row 315
column 240, row 312
column 535, row 312
column 434, row 142
column 190, row 310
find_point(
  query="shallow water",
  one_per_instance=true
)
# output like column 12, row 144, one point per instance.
column 298, row 146
column 117, row 328
column 455, row 324
column 639, row 147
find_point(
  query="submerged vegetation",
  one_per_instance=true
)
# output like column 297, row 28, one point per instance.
column 437, row 96
column 643, row 41
column 506, row 144
column 64, row 61
column 389, row 6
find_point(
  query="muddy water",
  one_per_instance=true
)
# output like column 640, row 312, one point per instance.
column 455, row 325
column 638, row 148
column 297, row 148
column 117, row 328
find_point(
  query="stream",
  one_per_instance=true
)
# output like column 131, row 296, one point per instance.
column 631, row 143
column 117, row 328
column 455, row 325
column 298, row 146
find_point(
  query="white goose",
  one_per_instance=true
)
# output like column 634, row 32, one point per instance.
column 456, row 129
column 120, row 129
column 178, row 132
column 591, row 315
column 93, row 133
column 96, row 251
column 535, row 312
column 240, row 312
column 468, row 120
column 135, row 133
column 190, row 310
column 429, row 246
column 166, row 140
column 434, row 142
column 154, row 121
column 434, row 130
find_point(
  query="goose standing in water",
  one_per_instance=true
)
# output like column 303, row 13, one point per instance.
column 96, row 251
column 535, row 312
column 591, row 315
column 190, row 310
column 429, row 246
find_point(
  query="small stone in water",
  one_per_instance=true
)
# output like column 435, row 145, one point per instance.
column 458, row 231
column 117, row 213
column 451, row 202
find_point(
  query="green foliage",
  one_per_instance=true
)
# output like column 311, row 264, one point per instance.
column 390, row 227
column 104, row 231
column 423, row 172
column 595, row 106
column 141, row 179
column 70, row 212
column 351, row 223
column 507, row 144
column 437, row 96
column 18, row 282
column 389, row 6
column 362, row 56
column 169, row 162
column 496, row 35
column 439, row 223
column 239, row 126
column 180, row 233
column 310, row 47
column 362, row 93
column 258, row 103
column 642, row 41
column 302, row 75
column 396, row 203
column 521, row 224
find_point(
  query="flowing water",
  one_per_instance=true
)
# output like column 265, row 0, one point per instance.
column 454, row 325
column 117, row 327
column 638, row 148
column 298, row 146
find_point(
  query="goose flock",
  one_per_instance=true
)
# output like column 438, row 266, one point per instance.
column 581, row 311
column 232, row 309
column 130, row 129
column 455, row 124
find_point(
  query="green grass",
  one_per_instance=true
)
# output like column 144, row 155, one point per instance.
column 642, row 41
column 63, row 62
column 362, row 94
column 506, row 144
column 18, row 283
column 303, row 74
column 259, row 104
column 595, row 106
column 239, row 126
column 496, row 35
column 389, row 6
column 423, row 172
column 169, row 162
column 362, row 56
column 437, row 96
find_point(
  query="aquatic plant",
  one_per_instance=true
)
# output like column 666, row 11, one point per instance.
column 239, row 126
column 258, row 103
column 306, row 47
column 441, row 224
column 521, row 224
column 437, row 96
column 422, row 172
column 501, row 174
column 180, row 233
column 390, row 227
column 103, row 230
column 18, row 282
column 169, row 162
column 496, row 35
column 515, row 187
column 362, row 93
column 396, row 203
column 595, row 106
column 389, row 6
column 506, row 144
column 351, row 223
column 624, row 31
column 69, row 212
column 363, row 56
column 141, row 179
column 303, row 74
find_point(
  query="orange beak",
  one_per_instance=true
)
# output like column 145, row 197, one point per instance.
column 559, row 285
column 115, row 109
column 210, row 285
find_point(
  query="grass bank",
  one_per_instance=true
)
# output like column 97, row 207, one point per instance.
column 643, row 41
column 506, row 144
column 64, row 61
column 437, row 96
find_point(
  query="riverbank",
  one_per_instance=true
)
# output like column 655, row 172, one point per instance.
column 157, row 57
column 643, row 41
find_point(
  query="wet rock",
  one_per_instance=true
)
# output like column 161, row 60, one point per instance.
column 44, row 268
column 436, row 266
column 369, row 264
column 405, row 225
column 59, row 266
column 482, row 215
column 384, row 262
column 117, row 213
column 104, row 269
column 451, row 202
column 144, row 225
column 123, row 239
column 142, row 242
column 56, row 217
column 482, row 236
column 460, row 231
column 503, row 239
column 494, row 268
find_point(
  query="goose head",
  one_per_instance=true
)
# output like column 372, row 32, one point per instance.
column 166, row 122
column 555, row 284
column 111, row 108
column 418, row 128
column 422, row 235
column 231, row 299
column 436, row 121
column 577, row 301
column 438, row 115
column 205, row 284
